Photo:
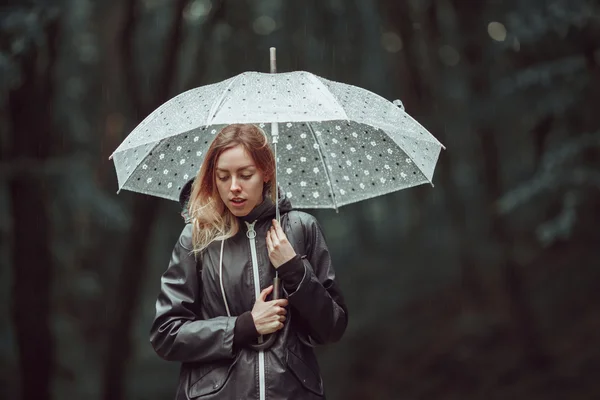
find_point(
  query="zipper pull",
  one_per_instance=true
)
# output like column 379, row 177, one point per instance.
column 250, row 233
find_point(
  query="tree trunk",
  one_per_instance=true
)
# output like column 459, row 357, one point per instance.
column 33, row 264
column 145, row 208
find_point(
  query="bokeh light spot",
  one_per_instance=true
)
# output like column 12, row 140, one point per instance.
column 391, row 42
column 448, row 55
column 264, row 25
column 497, row 31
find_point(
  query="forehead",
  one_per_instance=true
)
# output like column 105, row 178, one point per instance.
column 234, row 158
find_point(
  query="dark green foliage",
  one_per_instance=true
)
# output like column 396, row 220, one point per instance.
column 484, row 286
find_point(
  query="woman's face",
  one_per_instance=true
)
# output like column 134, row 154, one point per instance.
column 239, row 181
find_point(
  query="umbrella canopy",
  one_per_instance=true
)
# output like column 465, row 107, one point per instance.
column 337, row 143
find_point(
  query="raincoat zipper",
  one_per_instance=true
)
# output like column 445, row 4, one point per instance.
column 251, row 234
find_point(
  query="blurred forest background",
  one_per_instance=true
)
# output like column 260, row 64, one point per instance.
column 485, row 286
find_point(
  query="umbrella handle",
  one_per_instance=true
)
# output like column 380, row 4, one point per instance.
column 273, row 336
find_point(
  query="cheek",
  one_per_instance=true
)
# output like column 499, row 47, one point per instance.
column 222, row 189
column 257, row 186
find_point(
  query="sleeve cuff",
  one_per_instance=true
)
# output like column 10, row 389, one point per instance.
column 292, row 273
column 244, row 331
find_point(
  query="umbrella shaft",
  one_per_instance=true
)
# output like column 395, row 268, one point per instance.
column 275, row 137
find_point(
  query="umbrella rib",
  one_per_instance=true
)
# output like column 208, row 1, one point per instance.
column 217, row 104
column 324, row 166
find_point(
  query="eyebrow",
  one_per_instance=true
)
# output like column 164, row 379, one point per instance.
column 239, row 169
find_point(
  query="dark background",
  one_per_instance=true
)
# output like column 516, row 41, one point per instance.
column 485, row 286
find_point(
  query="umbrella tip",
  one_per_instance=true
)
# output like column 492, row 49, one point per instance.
column 273, row 60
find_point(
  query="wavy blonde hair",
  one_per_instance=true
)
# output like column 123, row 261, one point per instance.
column 210, row 218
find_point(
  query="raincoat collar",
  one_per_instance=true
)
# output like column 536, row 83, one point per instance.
column 266, row 209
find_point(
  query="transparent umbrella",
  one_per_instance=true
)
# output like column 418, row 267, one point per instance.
column 336, row 143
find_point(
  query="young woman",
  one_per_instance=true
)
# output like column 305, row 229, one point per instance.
column 214, row 308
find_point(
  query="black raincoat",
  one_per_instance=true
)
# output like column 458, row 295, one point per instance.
column 192, row 325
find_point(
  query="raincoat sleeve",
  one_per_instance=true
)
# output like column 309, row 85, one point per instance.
column 314, row 292
column 178, row 332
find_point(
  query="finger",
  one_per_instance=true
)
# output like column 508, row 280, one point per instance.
column 269, row 242
column 265, row 292
column 278, row 303
column 280, row 232
column 274, row 238
column 282, row 318
column 279, row 310
column 282, row 302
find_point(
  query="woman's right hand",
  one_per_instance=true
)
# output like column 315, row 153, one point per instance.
column 268, row 315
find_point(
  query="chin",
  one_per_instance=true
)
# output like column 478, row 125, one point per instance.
column 238, row 212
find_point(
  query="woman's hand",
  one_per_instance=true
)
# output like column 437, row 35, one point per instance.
column 280, row 250
column 268, row 315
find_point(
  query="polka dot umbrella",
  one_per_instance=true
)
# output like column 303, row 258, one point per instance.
column 336, row 143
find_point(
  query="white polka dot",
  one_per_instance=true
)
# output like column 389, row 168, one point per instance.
column 289, row 147
column 315, row 195
column 166, row 171
column 148, row 180
column 316, row 170
column 182, row 161
column 303, row 184
column 289, row 171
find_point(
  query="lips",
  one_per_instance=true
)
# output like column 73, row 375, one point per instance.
column 238, row 202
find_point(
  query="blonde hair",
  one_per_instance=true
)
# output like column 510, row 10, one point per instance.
column 210, row 218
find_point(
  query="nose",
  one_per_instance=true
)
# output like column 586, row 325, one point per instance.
column 235, row 185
